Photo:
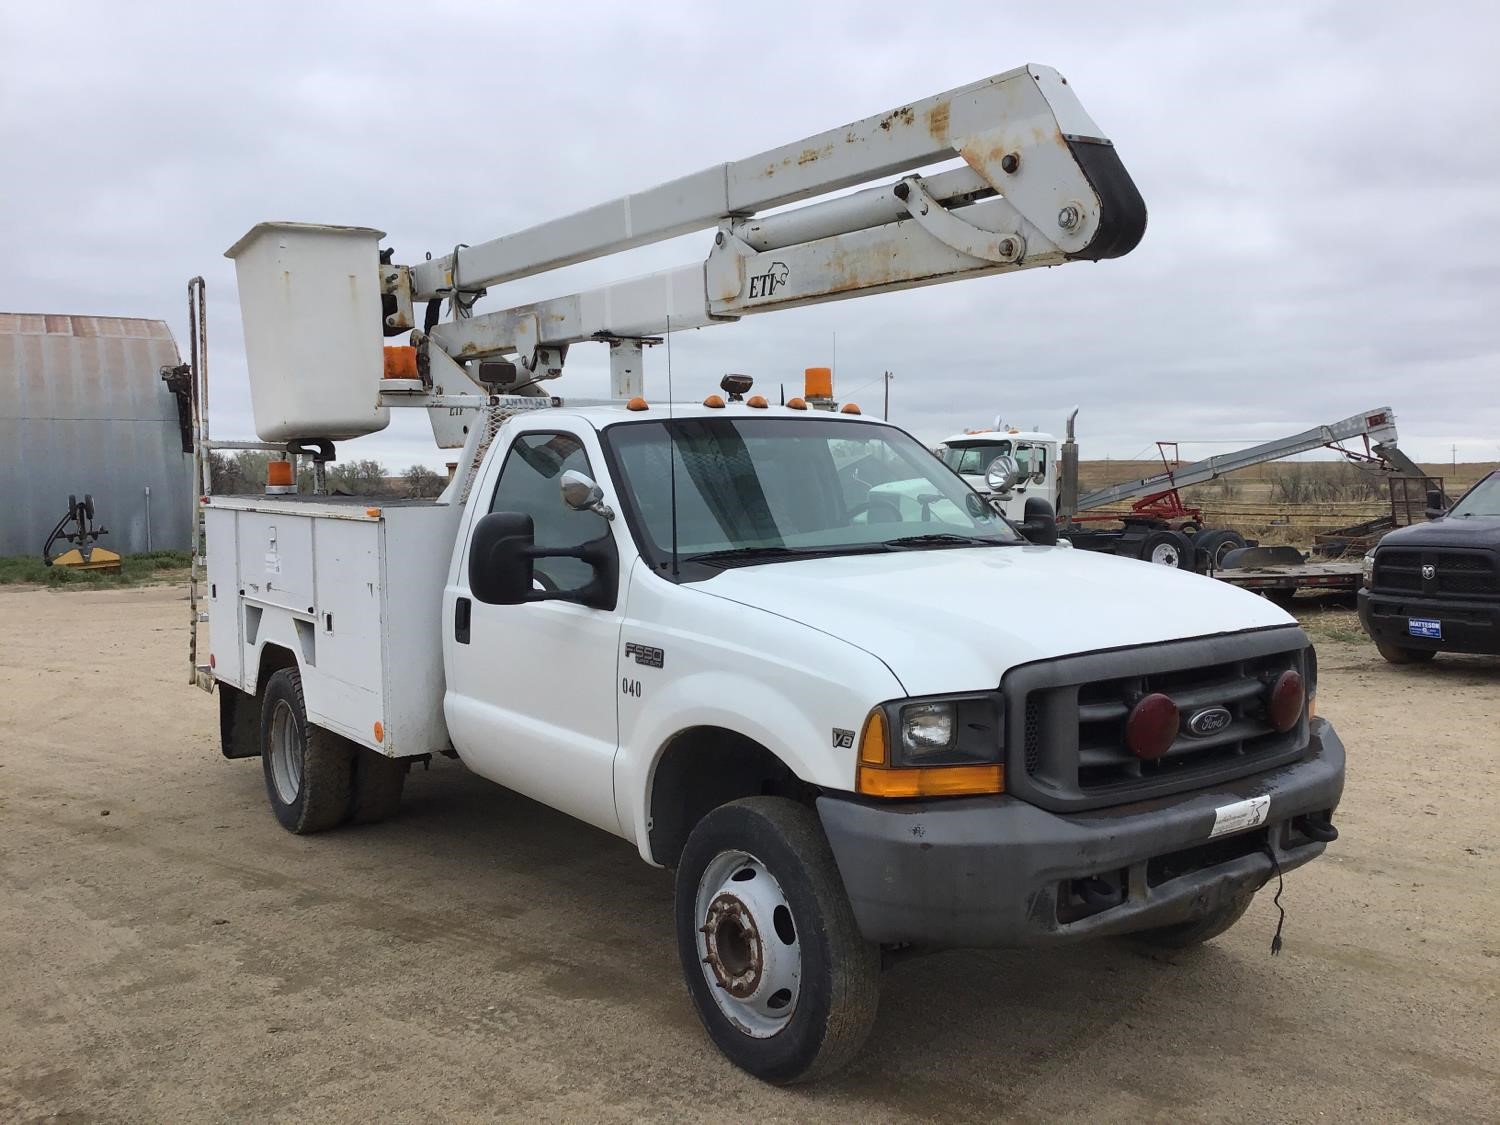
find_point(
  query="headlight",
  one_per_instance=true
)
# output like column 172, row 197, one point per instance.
column 943, row 747
column 1367, row 568
column 927, row 728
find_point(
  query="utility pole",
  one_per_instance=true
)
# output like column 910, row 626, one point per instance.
column 886, row 413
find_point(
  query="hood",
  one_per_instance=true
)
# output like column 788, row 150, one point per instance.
column 958, row 619
column 1451, row 531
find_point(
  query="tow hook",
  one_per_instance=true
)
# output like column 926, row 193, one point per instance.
column 1316, row 826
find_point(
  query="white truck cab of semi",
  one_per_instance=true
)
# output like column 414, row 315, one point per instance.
column 785, row 652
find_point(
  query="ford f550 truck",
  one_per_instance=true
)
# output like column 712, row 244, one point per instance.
column 786, row 653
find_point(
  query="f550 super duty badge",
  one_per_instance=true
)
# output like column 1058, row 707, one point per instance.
column 645, row 654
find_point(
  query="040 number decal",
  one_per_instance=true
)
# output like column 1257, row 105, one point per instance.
column 631, row 687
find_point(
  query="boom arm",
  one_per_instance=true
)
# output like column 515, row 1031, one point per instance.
column 1377, row 428
column 1041, row 186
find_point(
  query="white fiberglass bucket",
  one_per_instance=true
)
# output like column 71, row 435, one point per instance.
column 310, row 302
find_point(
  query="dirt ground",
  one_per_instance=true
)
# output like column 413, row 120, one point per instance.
column 167, row 953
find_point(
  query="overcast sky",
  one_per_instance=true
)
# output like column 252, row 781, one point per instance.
column 1322, row 182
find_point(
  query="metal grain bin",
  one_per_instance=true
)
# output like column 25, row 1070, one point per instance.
column 84, row 410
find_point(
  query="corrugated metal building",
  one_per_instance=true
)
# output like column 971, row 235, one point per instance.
column 84, row 410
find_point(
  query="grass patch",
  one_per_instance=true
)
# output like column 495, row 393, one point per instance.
column 135, row 570
column 1332, row 623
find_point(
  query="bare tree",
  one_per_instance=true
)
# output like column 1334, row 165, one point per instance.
column 422, row 483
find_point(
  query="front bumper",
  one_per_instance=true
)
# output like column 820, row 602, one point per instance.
column 995, row 871
column 1468, row 626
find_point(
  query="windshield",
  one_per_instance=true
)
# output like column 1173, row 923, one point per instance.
column 973, row 459
column 767, row 487
column 1483, row 500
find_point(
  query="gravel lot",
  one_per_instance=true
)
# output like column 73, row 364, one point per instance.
column 167, row 953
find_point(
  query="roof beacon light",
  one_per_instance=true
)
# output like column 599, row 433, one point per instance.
column 280, row 480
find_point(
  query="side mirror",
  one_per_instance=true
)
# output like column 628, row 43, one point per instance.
column 1040, row 524
column 502, row 555
column 1002, row 473
column 582, row 494
column 1436, row 509
column 500, row 558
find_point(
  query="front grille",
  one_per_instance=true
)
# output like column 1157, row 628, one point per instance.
column 1455, row 572
column 1073, row 713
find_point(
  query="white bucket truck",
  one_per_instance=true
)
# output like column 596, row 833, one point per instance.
column 851, row 725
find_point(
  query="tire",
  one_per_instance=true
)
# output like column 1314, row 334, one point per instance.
column 308, row 770
column 830, row 971
column 1396, row 654
column 1168, row 548
column 1185, row 935
column 1214, row 545
column 375, row 793
column 1280, row 597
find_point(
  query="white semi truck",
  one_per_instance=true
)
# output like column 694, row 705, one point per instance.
column 784, row 652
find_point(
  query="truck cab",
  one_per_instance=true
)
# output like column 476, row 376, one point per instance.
column 972, row 453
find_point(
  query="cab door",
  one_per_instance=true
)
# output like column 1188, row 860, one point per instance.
column 531, row 695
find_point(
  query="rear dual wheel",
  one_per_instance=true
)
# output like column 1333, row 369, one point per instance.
column 783, row 981
column 316, row 780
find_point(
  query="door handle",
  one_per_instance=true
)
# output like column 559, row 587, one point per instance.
column 461, row 610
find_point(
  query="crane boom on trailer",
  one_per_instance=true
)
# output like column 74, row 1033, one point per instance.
column 1375, row 428
column 779, row 649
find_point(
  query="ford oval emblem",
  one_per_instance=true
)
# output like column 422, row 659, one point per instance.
column 1209, row 720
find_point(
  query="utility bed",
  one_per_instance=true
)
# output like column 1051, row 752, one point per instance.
column 353, row 586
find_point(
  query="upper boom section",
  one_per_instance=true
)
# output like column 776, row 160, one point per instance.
column 1024, row 132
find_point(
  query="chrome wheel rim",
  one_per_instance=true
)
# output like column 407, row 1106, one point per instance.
column 286, row 754
column 748, row 947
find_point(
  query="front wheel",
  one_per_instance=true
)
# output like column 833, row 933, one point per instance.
column 1396, row 654
column 782, row 979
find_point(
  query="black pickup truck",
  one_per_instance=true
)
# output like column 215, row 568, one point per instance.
column 1435, row 587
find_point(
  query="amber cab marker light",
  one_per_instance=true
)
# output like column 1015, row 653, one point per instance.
column 756, row 402
column 796, row 404
column 850, row 408
column 714, row 402
column 637, row 403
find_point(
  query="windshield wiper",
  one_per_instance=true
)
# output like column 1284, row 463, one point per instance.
column 946, row 539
